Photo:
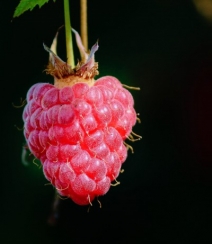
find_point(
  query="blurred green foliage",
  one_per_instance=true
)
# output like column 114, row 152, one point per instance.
column 25, row 5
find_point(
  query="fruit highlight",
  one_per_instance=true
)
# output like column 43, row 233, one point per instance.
column 77, row 127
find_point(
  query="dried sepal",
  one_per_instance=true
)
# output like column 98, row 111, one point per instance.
column 64, row 74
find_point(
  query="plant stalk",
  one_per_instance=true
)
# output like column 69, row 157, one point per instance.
column 69, row 44
column 83, row 23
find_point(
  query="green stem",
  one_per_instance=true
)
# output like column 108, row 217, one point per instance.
column 69, row 45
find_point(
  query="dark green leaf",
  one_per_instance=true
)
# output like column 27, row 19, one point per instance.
column 25, row 5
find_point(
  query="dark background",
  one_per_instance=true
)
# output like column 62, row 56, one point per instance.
column 165, row 48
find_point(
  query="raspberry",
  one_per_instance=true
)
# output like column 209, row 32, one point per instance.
column 77, row 128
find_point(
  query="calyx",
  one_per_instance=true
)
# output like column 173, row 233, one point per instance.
column 64, row 74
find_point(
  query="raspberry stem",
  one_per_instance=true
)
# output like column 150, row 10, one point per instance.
column 69, row 45
column 83, row 23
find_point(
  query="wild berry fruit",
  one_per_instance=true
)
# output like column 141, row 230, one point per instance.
column 77, row 128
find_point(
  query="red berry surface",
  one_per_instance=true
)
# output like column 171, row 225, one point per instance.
column 77, row 127
column 78, row 134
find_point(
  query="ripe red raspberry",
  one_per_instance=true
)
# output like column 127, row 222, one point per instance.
column 77, row 128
